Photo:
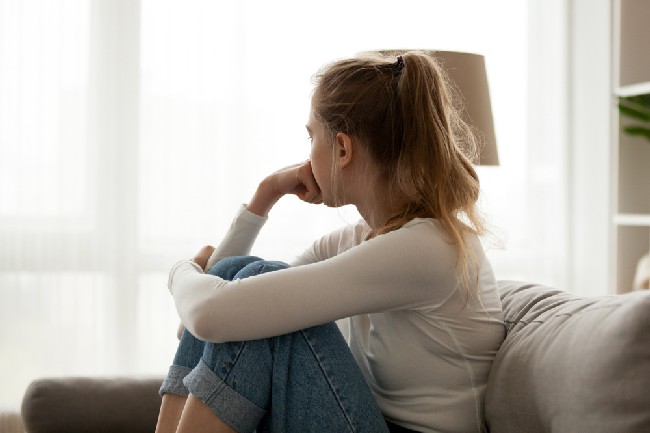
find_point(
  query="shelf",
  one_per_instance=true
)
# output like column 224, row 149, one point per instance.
column 634, row 89
column 633, row 242
column 631, row 219
column 630, row 179
column 632, row 31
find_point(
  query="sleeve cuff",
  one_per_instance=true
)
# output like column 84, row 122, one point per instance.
column 249, row 216
column 182, row 265
column 240, row 237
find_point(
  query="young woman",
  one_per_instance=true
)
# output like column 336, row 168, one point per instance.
column 261, row 352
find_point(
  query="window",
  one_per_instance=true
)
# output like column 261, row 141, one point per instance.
column 131, row 131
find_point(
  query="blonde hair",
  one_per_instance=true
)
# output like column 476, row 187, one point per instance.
column 407, row 115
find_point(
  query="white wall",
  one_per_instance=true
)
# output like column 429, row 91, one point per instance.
column 589, row 138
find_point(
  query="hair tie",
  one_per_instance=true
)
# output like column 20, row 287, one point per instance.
column 399, row 65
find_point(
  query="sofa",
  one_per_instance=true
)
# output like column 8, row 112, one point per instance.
column 569, row 364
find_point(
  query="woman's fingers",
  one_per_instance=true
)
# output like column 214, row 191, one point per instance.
column 296, row 179
column 318, row 199
column 201, row 258
column 308, row 190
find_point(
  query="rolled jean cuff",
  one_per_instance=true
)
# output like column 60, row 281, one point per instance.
column 173, row 383
column 230, row 406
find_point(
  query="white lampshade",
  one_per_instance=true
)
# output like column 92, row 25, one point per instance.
column 468, row 73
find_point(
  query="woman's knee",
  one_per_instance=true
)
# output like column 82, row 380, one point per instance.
column 244, row 366
column 189, row 351
column 238, row 267
column 260, row 267
column 228, row 267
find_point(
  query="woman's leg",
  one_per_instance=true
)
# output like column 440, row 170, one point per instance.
column 174, row 393
column 170, row 413
column 188, row 354
column 317, row 385
column 197, row 417
column 306, row 381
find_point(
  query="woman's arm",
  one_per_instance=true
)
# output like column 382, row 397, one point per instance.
column 297, row 179
column 410, row 268
column 333, row 243
column 239, row 238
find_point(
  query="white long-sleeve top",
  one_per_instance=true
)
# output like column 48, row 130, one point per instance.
column 424, row 345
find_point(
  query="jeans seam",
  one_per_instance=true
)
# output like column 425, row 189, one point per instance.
column 329, row 382
column 246, row 414
column 230, row 369
column 234, row 362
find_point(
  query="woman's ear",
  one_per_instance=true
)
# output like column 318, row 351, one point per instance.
column 343, row 149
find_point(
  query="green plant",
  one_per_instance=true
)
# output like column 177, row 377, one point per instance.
column 637, row 108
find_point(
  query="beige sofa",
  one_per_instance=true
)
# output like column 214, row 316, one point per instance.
column 568, row 365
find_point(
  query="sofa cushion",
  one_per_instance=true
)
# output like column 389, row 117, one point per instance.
column 91, row 405
column 571, row 364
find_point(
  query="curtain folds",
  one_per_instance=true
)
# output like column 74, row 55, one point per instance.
column 132, row 130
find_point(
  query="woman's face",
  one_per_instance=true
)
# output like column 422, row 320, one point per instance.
column 321, row 158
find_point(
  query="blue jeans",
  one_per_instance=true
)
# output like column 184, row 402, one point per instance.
column 305, row 381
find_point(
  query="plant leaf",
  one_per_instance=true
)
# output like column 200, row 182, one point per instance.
column 638, row 131
column 634, row 112
column 636, row 107
column 641, row 99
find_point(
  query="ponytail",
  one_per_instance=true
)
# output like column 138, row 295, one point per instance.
column 407, row 115
column 435, row 164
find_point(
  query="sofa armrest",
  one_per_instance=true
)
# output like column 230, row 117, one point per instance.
column 570, row 363
column 77, row 404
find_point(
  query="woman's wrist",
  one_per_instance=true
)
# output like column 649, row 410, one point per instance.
column 264, row 199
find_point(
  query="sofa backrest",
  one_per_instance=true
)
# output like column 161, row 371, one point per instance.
column 571, row 364
column 92, row 404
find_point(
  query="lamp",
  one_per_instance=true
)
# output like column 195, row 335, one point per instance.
column 467, row 71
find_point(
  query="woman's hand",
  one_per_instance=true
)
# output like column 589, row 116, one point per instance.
column 297, row 179
column 201, row 258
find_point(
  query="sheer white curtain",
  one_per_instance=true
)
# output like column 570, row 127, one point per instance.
column 131, row 131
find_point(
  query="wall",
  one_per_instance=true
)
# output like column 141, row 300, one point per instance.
column 589, row 138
